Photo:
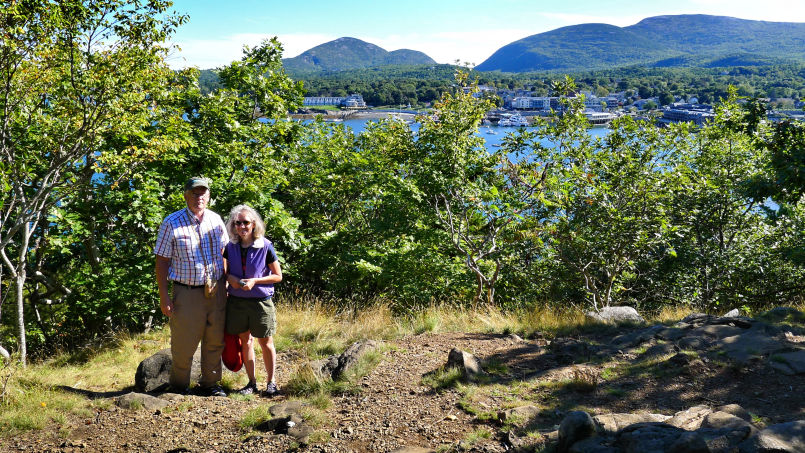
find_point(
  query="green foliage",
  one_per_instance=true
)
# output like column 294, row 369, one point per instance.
column 404, row 216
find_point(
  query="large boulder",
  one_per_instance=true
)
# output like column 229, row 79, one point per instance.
column 615, row 315
column 780, row 438
column 153, row 373
column 335, row 366
column 469, row 365
column 612, row 423
column 575, row 427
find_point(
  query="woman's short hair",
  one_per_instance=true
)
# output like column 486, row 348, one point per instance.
column 259, row 227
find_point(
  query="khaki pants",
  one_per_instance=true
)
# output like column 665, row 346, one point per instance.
column 195, row 319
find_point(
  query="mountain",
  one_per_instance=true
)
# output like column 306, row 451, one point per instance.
column 350, row 53
column 661, row 41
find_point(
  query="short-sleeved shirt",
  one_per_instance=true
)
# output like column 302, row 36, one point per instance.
column 193, row 247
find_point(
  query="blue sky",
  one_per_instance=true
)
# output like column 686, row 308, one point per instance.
column 446, row 30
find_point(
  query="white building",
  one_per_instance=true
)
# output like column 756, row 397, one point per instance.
column 531, row 103
column 353, row 101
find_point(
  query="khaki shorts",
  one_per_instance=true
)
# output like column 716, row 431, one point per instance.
column 257, row 316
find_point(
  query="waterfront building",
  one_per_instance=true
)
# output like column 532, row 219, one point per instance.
column 531, row 103
column 678, row 115
column 353, row 101
column 599, row 118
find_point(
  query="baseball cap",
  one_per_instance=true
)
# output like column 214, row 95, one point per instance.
column 197, row 181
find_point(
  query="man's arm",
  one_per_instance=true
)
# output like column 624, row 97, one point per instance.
column 165, row 302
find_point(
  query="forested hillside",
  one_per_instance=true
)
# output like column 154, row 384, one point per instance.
column 423, row 84
column 350, row 53
column 662, row 41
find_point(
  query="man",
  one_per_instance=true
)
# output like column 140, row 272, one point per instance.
column 188, row 253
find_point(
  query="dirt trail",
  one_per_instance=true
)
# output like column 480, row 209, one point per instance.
column 393, row 408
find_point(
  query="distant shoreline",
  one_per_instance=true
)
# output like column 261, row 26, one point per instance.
column 355, row 114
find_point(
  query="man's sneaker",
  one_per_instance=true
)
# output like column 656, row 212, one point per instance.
column 271, row 390
column 250, row 388
column 215, row 390
column 179, row 390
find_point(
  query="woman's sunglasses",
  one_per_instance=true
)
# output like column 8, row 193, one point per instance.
column 243, row 222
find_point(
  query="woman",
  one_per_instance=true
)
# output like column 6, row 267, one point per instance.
column 252, row 271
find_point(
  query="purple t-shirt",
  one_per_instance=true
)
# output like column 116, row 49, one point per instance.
column 251, row 262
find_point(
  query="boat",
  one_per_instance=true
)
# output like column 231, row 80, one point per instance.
column 513, row 120
column 490, row 131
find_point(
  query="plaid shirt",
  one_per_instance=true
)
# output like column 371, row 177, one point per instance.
column 178, row 239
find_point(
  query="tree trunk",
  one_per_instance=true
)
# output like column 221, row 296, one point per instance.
column 20, row 280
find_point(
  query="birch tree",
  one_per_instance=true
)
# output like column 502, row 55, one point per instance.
column 75, row 76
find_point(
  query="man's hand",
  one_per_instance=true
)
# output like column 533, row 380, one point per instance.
column 247, row 284
column 166, row 305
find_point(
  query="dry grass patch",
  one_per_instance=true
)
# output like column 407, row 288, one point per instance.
column 45, row 393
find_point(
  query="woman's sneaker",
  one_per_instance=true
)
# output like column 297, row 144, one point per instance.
column 251, row 388
column 271, row 390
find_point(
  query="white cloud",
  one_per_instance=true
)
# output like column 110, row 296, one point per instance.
column 212, row 53
column 447, row 47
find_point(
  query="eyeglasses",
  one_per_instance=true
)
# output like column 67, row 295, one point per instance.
column 243, row 222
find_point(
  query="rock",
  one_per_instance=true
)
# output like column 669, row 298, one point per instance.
column 612, row 423
column 783, row 438
column 153, row 373
column 696, row 319
column 671, row 333
column 689, row 442
column 141, row 400
column 689, row 419
column 593, row 445
column 468, row 364
column 575, row 427
column 648, row 437
column 301, row 432
column 782, row 368
column 733, row 313
column 336, row 366
column 633, row 339
column 794, row 361
column 735, row 410
column 749, row 345
column 519, row 416
column 723, row 420
column 413, row 450
column 286, row 408
column 615, row 315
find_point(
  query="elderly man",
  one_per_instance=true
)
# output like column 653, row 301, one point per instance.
column 189, row 254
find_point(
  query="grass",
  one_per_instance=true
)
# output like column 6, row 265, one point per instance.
column 41, row 395
column 255, row 417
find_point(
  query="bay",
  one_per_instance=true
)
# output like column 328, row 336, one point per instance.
column 492, row 135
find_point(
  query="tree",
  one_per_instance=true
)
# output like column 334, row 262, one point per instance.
column 479, row 198
column 609, row 198
column 721, row 227
column 76, row 76
column 666, row 98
